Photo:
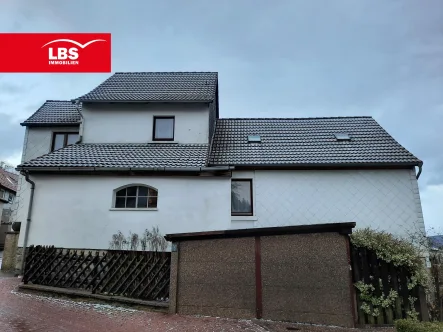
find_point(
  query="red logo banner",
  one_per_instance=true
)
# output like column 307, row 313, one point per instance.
column 55, row 52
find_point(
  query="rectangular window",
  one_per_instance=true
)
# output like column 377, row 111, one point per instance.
column 241, row 197
column 163, row 128
column 60, row 140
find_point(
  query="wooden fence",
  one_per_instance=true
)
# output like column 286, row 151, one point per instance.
column 368, row 268
column 136, row 274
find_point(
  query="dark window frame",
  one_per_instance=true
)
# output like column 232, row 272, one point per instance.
column 245, row 214
column 137, row 196
column 154, row 125
column 65, row 139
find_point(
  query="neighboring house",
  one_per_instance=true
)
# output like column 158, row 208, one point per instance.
column 149, row 149
column 436, row 242
column 8, row 189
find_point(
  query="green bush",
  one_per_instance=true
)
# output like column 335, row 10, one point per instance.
column 409, row 325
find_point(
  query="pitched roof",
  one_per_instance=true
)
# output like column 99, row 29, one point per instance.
column 8, row 180
column 155, row 86
column 121, row 155
column 54, row 112
column 306, row 141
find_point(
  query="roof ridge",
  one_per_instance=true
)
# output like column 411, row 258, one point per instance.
column 304, row 118
column 142, row 144
column 165, row 72
column 58, row 100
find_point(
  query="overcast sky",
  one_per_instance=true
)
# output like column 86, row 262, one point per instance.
column 294, row 58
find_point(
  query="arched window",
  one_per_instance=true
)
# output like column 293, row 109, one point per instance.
column 135, row 197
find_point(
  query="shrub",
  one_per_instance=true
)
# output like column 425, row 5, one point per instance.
column 397, row 252
column 410, row 325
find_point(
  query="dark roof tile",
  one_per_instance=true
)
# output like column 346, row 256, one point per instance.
column 54, row 112
column 8, row 180
column 117, row 155
column 155, row 86
column 305, row 141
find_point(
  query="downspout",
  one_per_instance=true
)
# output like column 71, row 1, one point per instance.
column 420, row 166
column 28, row 219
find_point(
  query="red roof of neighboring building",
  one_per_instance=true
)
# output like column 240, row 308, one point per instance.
column 8, row 180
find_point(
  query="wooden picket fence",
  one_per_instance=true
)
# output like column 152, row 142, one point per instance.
column 135, row 274
column 367, row 267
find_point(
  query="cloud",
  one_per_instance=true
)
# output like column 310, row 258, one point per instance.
column 13, row 159
column 432, row 197
column 7, row 88
column 11, row 136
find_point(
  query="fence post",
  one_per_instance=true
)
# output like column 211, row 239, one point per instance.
column 258, row 281
column 353, row 277
column 173, row 285
column 424, row 313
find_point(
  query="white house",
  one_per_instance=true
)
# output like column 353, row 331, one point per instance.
column 8, row 189
column 149, row 149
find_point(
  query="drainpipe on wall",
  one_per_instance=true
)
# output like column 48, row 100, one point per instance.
column 419, row 171
column 28, row 219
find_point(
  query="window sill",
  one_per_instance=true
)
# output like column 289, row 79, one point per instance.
column 244, row 218
column 163, row 142
column 133, row 209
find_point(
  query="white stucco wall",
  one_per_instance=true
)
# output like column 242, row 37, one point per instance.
column 37, row 142
column 133, row 123
column 74, row 211
column 386, row 200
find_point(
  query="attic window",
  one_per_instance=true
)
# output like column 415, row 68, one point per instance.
column 342, row 137
column 254, row 139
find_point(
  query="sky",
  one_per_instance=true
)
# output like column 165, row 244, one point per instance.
column 282, row 58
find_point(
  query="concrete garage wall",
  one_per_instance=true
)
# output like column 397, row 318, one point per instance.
column 296, row 273
column 305, row 278
column 217, row 278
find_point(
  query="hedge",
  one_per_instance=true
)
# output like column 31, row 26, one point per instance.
column 409, row 325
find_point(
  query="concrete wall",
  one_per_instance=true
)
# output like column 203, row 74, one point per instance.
column 134, row 123
column 304, row 277
column 76, row 211
column 3, row 229
column 386, row 200
column 9, row 253
column 217, row 278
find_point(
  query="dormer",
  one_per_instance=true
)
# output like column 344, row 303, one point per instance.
column 151, row 107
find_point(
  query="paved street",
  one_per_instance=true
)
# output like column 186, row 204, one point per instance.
column 25, row 312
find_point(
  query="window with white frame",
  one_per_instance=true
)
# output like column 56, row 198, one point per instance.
column 135, row 197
